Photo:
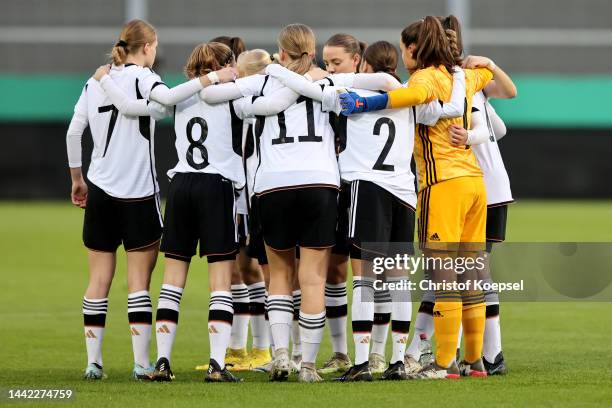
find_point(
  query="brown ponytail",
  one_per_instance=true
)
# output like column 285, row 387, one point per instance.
column 432, row 46
column 298, row 41
column 382, row 56
column 134, row 35
column 208, row 57
column 452, row 28
column 236, row 44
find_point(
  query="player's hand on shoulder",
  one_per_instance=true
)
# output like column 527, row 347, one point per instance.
column 317, row 74
column 101, row 71
column 227, row 74
column 475, row 61
column 457, row 135
column 78, row 193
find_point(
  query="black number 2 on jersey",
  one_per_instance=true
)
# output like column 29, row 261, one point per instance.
column 379, row 165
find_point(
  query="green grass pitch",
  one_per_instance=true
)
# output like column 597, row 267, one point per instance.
column 559, row 354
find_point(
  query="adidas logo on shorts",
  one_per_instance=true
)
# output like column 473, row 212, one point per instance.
column 434, row 237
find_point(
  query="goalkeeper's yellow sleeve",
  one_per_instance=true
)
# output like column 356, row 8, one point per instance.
column 404, row 97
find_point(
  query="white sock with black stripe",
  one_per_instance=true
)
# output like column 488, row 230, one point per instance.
column 166, row 319
column 336, row 310
column 296, row 342
column 311, row 333
column 382, row 318
column 220, row 317
column 401, row 314
column 240, row 325
column 362, row 314
column 280, row 314
column 423, row 328
column 94, row 320
column 140, row 316
column 260, row 328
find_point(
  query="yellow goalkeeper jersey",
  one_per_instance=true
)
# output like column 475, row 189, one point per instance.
column 436, row 159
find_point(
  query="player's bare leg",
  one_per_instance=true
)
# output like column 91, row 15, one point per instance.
column 95, row 306
column 140, row 265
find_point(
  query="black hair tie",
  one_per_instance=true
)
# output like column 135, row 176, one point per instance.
column 121, row 44
column 304, row 53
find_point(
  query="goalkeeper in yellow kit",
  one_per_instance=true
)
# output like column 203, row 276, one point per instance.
column 451, row 199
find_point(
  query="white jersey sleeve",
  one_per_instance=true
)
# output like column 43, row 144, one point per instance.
column 77, row 126
column 498, row 125
column 277, row 101
column 147, row 80
column 456, row 107
column 479, row 132
column 179, row 93
column 229, row 91
column 125, row 105
column 428, row 114
column 497, row 182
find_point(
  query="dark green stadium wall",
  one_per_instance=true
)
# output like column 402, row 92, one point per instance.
column 558, row 145
column 542, row 162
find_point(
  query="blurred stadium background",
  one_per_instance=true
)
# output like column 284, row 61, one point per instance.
column 558, row 52
column 558, row 146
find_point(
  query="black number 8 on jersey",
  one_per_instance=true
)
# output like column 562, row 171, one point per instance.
column 197, row 144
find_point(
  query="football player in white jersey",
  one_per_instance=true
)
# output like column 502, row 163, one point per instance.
column 248, row 288
column 381, row 181
column 341, row 54
column 313, row 179
column 248, row 282
column 487, row 128
column 121, row 198
column 209, row 147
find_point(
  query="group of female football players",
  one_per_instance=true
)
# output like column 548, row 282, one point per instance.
column 285, row 172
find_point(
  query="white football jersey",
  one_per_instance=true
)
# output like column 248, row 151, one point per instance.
column 249, row 165
column 489, row 157
column 208, row 139
column 250, row 156
column 296, row 146
column 377, row 146
column 122, row 161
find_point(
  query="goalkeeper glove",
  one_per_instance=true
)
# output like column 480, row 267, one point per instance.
column 353, row 103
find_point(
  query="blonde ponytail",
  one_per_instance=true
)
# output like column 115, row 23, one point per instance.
column 134, row 35
column 252, row 62
column 298, row 42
